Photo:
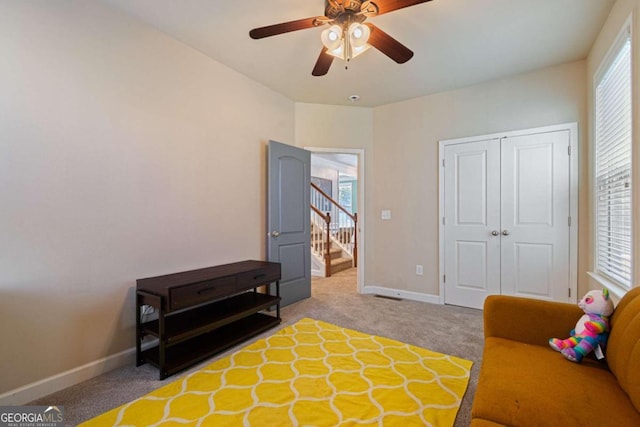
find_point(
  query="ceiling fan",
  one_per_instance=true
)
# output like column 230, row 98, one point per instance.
column 348, row 36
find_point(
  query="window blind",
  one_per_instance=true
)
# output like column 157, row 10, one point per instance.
column 613, row 167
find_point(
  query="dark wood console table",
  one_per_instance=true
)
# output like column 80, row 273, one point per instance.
column 203, row 312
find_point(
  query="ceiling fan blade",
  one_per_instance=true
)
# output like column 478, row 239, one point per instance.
column 388, row 45
column 386, row 6
column 287, row 27
column 323, row 63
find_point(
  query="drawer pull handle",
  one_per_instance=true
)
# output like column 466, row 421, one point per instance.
column 259, row 276
column 204, row 291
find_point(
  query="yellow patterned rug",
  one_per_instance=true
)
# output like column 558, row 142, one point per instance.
column 309, row 374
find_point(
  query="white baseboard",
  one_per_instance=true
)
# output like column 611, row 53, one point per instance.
column 397, row 293
column 44, row 387
column 317, row 273
column 38, row 389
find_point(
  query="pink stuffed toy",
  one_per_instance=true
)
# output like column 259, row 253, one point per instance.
column 591, row 331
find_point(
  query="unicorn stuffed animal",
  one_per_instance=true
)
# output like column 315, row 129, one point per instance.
column 592, row 329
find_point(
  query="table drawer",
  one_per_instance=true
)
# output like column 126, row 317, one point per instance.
column 201, row 292
column 258, row 277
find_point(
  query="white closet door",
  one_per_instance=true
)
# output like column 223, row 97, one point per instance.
column 506, row 208
column 472, row 213
column 534, row 216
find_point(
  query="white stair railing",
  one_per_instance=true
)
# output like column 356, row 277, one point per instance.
column 320, row 238
column 342, row 230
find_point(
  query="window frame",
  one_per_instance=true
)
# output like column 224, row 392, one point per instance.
column 625, row 34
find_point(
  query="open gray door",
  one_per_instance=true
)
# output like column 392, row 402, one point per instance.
column 288, row 221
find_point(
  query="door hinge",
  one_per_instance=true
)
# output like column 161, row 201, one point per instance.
column 569, row 221
column 444, row 278
column 442, row 162
column 569, row 150
column 569, row 292
column 444, row 220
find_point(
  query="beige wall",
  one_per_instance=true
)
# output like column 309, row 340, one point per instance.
column 123, row 154
column 405, row 161
column 333, row 126
column 620, row 12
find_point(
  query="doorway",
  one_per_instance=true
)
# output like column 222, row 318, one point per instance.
column 508, row 205
column 339, row 173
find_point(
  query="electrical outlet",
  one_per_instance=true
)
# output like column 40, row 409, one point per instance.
column 419, row 270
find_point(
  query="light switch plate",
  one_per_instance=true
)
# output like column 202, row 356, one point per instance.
column 386, row 214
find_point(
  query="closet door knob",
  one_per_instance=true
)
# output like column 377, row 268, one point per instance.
column 495, row 232
column 505, row 232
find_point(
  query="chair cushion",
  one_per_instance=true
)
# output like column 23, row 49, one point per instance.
column 479, row 422
column 523, row 384
column 623, row 348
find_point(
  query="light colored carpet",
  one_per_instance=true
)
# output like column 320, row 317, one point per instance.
column 445, row 329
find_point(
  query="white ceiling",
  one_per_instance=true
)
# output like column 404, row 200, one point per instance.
column 457, row 43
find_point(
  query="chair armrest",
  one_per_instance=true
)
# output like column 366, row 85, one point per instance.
column 528, row 320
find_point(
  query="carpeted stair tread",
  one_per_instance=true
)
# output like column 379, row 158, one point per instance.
column 340, row 264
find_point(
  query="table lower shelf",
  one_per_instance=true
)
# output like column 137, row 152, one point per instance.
column 186, row 353
column 187, row 324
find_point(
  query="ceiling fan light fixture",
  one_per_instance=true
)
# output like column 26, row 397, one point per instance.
column 332, row 37
column 358, row 34
column 349, row 45
column 337, row 52
column 355, row 51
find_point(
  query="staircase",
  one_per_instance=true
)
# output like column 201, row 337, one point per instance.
column 334, row 244
column 339, row 259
